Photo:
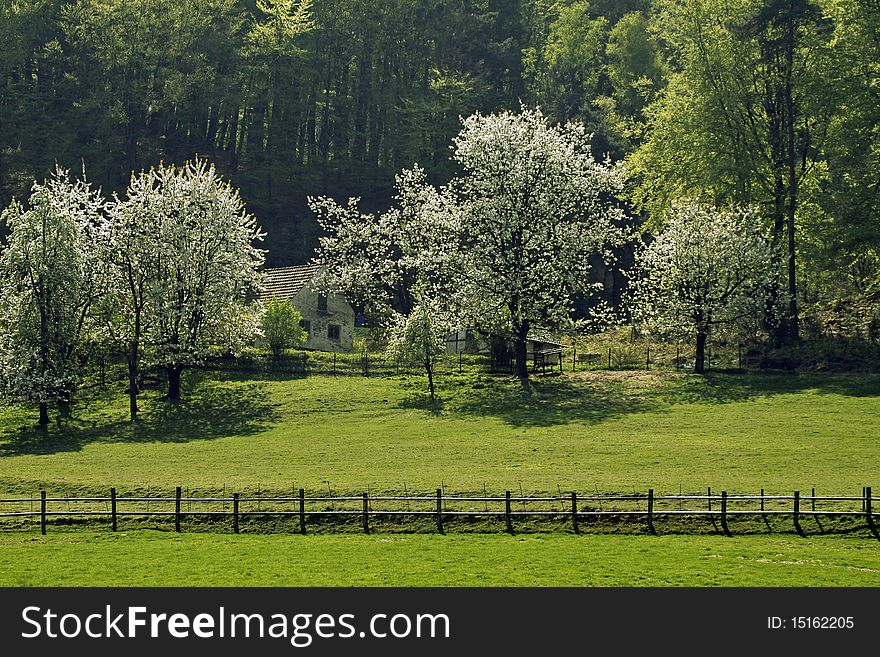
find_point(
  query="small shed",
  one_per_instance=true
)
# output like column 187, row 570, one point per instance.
column 542, row 350
column 327, row 318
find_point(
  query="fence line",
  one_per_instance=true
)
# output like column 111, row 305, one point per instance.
column 444, row 508
column 624, row 356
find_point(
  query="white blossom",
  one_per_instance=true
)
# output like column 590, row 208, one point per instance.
column 51, row 277
column 707, row 268
column 505, row 246
column 186, row 264
column 419, row 338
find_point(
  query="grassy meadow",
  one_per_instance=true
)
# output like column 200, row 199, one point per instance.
column 606, row 431
column 611, row 431
column 84, row 558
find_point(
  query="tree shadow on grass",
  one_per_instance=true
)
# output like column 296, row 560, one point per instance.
column 727, row 387
column 422, row 401
column 207, row 412
column 551, row 402
column 600, row 396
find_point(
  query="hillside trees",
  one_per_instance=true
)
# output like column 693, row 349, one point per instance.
column 290, row 98
column 51, row 276
column 844, row 244
column 744, row 118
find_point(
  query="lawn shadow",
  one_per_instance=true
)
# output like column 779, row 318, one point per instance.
column 422, row 401
column 205, row 412
column 552, row 401
column 731, row 386
column 594, row 397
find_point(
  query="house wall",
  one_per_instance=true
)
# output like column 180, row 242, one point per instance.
column 339, row 312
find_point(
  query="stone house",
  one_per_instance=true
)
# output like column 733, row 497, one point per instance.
column 327, row 318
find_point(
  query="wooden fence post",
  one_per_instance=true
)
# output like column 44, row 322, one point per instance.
column 609, row 358
column 366, row 514
column 177, row 509
column 764, row 517
column 43, row 512
column 507, row 517
column 235, row 512
column 302, row 511
column 113, row 508
column 724, row 513
column 813, row 499
column 709, row 494
column 440, row 510
column 869, row 513
column 797, row 512
column 648, row 357
column 651, row 510
column 574, row 513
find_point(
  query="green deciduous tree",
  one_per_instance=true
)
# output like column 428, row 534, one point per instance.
column 280, row 326
column 420, row 338
column 744, row 118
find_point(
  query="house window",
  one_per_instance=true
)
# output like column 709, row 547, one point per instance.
column 307, row 326
column 333, row 331
column 322, row 303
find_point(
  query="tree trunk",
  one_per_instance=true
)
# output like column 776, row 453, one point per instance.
column 777, row 327
column 174, row 382
column 429, row 368
column 791, row 157
column 44, row 414
column 520, row 355
column 133, row 387
column 700, row 363
column 134, row 379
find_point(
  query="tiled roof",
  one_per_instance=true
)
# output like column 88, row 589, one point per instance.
column 285, row 282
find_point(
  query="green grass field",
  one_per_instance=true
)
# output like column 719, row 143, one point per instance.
column 162, row 559
column 611, row 431
column 614, row 432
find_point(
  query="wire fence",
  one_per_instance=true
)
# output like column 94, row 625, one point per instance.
column 652, row 356
column 596, row 355
column 441, row 510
